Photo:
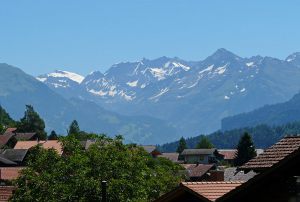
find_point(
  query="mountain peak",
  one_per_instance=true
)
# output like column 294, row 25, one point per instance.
column 222, row 52
column 62, row 74
column 292, row 57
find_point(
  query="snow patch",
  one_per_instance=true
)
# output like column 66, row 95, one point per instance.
column 41, row 79
column 158, row 73
column 243, row 90
column 226, row 97
column 101, row 93
column 133, row 83
column 162, row 91
column 208, row 69
column 221, row 70
column 250, row 64
column 65, row 74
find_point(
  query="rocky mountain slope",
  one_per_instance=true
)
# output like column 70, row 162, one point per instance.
column 18, row 89
column 193, row 96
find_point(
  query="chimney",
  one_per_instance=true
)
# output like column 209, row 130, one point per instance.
column 216, row 175
column 104, row 197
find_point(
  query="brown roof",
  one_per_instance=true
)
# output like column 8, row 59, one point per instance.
column 6, row 193
column 10, row 130
column 5, row 138
column 229, row 154
column 10, row 173
column 211, row 190
column 198, row 151
column 274, row 154
column 199, row 170
column 24, row 136
column 54, row 144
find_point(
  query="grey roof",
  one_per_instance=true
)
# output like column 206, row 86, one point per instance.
column 25, row 136
column 171, row 156
column 231, row 174
column 16, row 155
column 6, row 161
column 198, row 151
column 149, row 148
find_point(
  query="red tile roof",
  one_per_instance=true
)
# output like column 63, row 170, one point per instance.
column 229, row 154
column 54, row 144
column 10, row 173
column 274, row 154
column 6, row 193
column 211, row 190
column 199, row 170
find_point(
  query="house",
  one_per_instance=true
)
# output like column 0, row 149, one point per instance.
column 201, row 156
column 152, row 150
column 276, row 179
column 202, row 172
column 10, row 137
column 47, row 144
column 12, row 157
column 230, row 154
column 173, row 156
column 9, row 173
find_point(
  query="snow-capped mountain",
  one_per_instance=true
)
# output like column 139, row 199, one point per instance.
column 63, row 82
column 194, row 96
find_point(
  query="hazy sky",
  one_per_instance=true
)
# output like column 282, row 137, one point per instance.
column 81, row 36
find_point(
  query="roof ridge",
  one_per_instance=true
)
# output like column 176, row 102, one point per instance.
column 213, row 182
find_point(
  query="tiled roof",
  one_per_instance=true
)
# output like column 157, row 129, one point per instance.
column 171, row 156
column 5, row 138
column 197, row 151
column 229, row 154
column 10, row 173
column 199, row 170
column 211, row 190
column 24, row 136
column 54, row 144
column 4, row 160
column 274, row 154
column 6, row 193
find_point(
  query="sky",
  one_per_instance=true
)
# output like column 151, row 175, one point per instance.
column 83, row 36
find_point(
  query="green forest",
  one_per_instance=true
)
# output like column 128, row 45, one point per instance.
column 262, row 135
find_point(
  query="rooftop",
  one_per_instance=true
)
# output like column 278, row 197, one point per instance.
column 48, row 144
column 197, row 170
column 274, row 154
column 10, row 173
column 211, row 190
column 197, row 151
column 171, row 156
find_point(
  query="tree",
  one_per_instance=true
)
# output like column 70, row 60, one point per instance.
column 74, row 128
column 204, row 143
column 132, row 174
column 181, row 145
column 245, row 150
column 53, row 135
column 32, row 122
column 5, row 120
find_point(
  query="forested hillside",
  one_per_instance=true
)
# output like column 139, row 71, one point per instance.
column 263, row 136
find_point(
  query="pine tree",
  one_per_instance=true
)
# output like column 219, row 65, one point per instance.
column 181, row 145
column 5, row 120
column 74, row 128
column 204, row 143
column 245, row 150
column 32, row 122
column 53, row 135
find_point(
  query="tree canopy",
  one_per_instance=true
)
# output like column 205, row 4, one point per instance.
column 204, row 143
column 32, row 122
column 132, row 174
column 245, row 150
column 5, row 120
column 181, row 145
column 53, row 135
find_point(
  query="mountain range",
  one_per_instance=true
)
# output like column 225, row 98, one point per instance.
column 192, row 96
column 153, row 101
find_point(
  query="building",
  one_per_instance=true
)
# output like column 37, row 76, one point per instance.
column 47, row 144
column 202, row 172
column 201, row 156
column 12, row 157
column 171, row 156
column 152, row 150
column 276, row 179
column 230, row 154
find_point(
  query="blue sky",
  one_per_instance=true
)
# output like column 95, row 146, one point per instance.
column 82, row 36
